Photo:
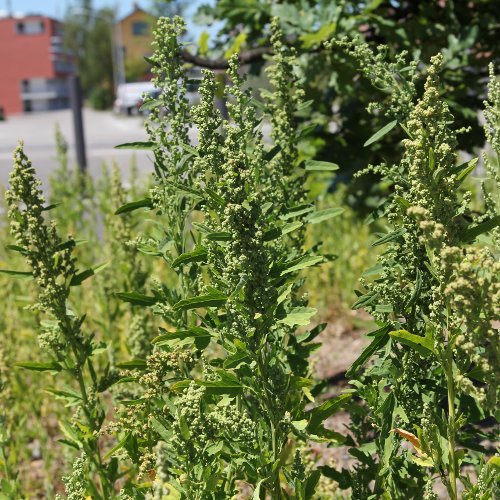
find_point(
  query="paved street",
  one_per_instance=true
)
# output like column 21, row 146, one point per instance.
column 103, row 131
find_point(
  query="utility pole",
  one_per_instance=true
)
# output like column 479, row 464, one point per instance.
column 76, row 107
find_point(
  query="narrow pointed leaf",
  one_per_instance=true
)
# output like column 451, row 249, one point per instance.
column 383, row 131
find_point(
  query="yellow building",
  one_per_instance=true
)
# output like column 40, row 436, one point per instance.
column 133, row 37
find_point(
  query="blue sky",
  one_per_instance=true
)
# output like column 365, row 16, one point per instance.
column 57, row 8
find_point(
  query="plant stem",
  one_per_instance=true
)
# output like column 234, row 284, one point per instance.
column 451, row 429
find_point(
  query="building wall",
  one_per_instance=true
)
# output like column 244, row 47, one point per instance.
column 134, row 34
column 27, row 59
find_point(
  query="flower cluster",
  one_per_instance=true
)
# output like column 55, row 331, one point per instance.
column 396, row 78
column 49, row 259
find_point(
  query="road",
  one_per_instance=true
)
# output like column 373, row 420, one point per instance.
column 103, row 131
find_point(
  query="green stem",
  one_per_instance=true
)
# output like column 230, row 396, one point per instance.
column 451, row 430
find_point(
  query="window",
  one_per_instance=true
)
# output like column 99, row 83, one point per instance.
column 140, row 28
column 30, row 27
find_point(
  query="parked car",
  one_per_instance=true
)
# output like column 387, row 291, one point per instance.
column 129, row 96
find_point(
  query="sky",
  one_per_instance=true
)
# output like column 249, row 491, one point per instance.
column 57, row 9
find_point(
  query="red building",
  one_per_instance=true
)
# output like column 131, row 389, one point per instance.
column 34, row 67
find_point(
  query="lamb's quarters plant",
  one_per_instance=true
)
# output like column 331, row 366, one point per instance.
column 436, row 297
column 67, row 348
column 224, row 393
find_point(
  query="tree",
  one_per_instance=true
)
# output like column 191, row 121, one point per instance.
column 465, row 31
column 88, row 35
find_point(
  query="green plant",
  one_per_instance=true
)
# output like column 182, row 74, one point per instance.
column 435, row 296
column 70, row 350
column 224, row 393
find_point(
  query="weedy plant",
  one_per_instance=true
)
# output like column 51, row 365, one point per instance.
column 222, row 399
column 436, row 297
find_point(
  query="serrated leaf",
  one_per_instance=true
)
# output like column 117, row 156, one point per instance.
column 136, row 145
column 423, row 345
column 379, row 134
column 208, row 300
column 134, row 205
column 137, row 299
column 299, row 316
column 321, row 166
column 322, row 215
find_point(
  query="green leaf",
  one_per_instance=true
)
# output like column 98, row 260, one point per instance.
column 119, row 446
column 471, row 233
column 203, row 43
column 199, row 254
column 322, row 215
column 151, row 61
column 321, row 166
column 139, row 364
column 416, row 291
column 40, row 367
column 300, row 316
column 464, row 169
column 136, row 145
column 300, row 425
column 190, row 149
column 319, row 414
column 213, row 299
column 311, row 483
column 137, row 299
column 150, row 104
column 423, row 345
column 306, row 261
column 470, row 166
column 365, row 300
column 79, row 278
column 51, row 206
column 72, row 397
column 310, row 40
column 134, row 205
column 296, row 211
column 376, row 269
column 378, row 135
column 256, row 493
column 381, row 337
column 201, row 336
column 386, row 238
column 25, row 275
column 228, row 383
column 219, row 236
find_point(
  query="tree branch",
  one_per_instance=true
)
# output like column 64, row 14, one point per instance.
column 246, row 57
